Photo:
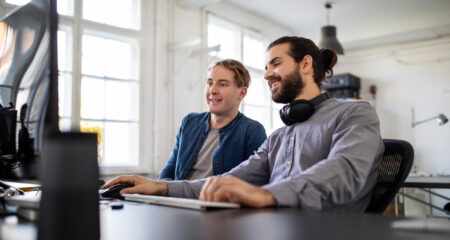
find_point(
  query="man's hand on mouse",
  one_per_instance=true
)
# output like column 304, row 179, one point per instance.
column 139, row 185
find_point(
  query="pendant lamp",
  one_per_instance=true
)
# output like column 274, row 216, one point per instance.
column 329, row 39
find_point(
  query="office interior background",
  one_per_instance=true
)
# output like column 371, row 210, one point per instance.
column 130, row 70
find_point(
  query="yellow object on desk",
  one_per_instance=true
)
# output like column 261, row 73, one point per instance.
column 23, row 186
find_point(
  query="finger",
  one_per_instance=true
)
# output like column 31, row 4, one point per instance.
column 222, row 193
column 203, row 191
column 211, row 188
column 233, row 198
column 220, row 182
column 124, row 180
column 131, row 190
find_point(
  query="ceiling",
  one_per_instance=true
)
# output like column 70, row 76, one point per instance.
column 360, row 23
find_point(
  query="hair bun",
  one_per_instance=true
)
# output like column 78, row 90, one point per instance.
column 329, row 59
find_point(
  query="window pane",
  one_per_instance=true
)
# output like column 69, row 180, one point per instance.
column 112, row 100
column 95, row 127
column 65, row 7
column 254, row 52
column 18, row 2
column 121, row 100
column 119, row 61
column 223, row 35
column 65, row 94
column 62, row 55
column 107, row 57
column 118, row 13
column 65, row 124
column 276, row 120
column 93, row 56
column 260, row 114
column 258, row 93
column 121, row 144
column 92, row 98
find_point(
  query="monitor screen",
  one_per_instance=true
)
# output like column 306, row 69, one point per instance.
column 28, row 85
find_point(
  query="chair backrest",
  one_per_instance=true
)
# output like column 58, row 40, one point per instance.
column 394, row 168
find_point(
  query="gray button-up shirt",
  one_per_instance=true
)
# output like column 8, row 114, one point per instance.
column 328, row 162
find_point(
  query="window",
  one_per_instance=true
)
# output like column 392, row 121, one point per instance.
column 98, row 58
column 107, row 98
column 110, row 97
column 249, row 47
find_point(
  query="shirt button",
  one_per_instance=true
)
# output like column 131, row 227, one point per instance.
column 292, row 138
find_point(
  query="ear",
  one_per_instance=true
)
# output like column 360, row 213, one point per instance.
column 306, row 65
column 242, row 93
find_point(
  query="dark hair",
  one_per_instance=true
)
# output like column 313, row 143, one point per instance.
column 241, row 75
column 323, row 59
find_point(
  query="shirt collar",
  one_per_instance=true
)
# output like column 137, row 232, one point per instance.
column 227, row 127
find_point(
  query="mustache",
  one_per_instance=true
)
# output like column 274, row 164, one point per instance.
column 277, row 78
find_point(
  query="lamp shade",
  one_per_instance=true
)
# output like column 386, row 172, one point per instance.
column 329, row 39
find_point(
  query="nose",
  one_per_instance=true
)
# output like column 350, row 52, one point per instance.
column 213, row 88
column 268, row 74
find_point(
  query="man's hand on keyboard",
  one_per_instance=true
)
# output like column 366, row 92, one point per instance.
column 233, row 189
column 139, row 185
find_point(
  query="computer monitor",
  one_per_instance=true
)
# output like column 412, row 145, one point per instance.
column 28, row 85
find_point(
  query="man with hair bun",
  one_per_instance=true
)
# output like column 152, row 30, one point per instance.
column 326, row 157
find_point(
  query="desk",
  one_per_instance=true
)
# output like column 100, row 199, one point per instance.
column 427, row 182
column 142, row 221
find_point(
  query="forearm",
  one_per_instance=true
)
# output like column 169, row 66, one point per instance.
column 255, row 170
column 184, row 188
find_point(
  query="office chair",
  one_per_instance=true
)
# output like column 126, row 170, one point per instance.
column 394, row 168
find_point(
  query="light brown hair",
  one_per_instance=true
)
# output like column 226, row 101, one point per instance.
column 241, row 75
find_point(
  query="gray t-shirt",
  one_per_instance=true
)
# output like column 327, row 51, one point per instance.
column 328, row 162
column 203, row 167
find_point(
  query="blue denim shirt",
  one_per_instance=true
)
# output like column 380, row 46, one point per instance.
column 238, row 140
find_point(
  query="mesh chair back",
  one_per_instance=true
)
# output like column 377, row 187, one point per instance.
column 394, row 168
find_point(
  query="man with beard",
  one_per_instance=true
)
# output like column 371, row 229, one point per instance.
column 327, row 157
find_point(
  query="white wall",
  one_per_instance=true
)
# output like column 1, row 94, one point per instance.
column 413, row 75
column 179, row 77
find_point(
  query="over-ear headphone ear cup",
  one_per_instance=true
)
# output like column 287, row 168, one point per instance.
column 300, row 110
column 283, row 116
column 297, row 111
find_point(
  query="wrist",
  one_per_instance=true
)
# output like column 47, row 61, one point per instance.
column 162, row 188
column 270, row 200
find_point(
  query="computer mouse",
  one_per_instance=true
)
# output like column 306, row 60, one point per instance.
column 113, row 192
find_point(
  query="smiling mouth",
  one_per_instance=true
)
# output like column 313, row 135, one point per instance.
column 215, row 100
column 273, row 84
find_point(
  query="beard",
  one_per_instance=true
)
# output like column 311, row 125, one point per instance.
column 291, row 85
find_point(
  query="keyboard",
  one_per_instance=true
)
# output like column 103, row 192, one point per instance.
column 179, row 202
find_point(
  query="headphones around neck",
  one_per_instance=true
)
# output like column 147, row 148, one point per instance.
column 301, row 110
